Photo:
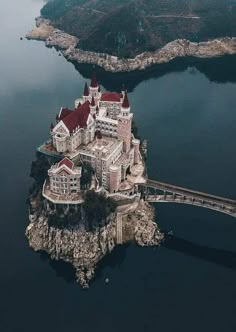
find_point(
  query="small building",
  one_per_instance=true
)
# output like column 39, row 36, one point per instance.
column 63, row 183
column 64, row 177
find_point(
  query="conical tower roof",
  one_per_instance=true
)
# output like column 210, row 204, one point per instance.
column 125, row 103
column 86, row 90
column 94, row 82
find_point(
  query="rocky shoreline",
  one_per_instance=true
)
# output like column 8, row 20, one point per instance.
column 84, row 249
column 179, row 48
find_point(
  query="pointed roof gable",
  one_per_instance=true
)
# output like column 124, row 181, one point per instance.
column 78, row 118
column 125, row 103
column 86, row 89
column 94, row 82
column 67, row 162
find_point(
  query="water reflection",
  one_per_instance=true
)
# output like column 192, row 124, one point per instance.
column 226, row 72
column 225, row 258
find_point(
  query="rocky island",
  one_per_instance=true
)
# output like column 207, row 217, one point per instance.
column 85, row 198
column 121, row 36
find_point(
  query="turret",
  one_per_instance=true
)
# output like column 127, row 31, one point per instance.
column 94, row 87
column 125, row 108
column 124, row 124
column 114, row 172
column 86, row 92
column 98, row 139
column 92, row 106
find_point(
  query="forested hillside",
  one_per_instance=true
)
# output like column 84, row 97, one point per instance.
column 129, row 27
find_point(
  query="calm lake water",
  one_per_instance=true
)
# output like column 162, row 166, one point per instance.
column 188, row 116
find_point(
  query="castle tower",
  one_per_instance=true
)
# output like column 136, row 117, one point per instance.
column 98, row 139
column 94, row 87
column 124, row 124
column 136, row 145
column 92, row 106
column 86, row 92
column 114, row 182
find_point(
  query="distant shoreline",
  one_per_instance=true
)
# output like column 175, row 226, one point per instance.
column 44, row 31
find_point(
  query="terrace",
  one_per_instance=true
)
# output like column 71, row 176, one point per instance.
column 75, row 198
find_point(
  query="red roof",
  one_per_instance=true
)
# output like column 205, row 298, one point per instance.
column 94, row 82
column 125, row 103
column 67, row 162
column 86, row 89
column 63, row 113
column 78, row 118
column 92, row 101
column 110, row 96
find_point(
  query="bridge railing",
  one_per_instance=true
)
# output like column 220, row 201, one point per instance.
column 186, row 192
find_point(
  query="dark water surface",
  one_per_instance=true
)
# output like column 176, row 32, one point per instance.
column 188, row 116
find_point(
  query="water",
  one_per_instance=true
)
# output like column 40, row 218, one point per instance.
column 188, row 117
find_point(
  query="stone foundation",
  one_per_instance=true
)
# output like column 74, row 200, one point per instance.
column 84, row 249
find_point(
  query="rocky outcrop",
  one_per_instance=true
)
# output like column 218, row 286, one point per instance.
column 174, row 49
column 139, row 225
column 52, row 37
column 84, row 248
column 81, row 248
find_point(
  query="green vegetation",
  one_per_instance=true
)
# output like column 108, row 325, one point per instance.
column 54, row 9
column 127, row 27
column 86, row 176
column 97, row 208
column 93, row 213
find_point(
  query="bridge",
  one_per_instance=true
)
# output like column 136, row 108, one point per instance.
column 159, row 192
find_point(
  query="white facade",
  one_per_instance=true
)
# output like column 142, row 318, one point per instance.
column 64, row 178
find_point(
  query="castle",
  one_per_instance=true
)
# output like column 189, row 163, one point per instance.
column 97, row 132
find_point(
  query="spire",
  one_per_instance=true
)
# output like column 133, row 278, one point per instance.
column 125, row 103
column 86, row 90
column 94, row 82
column 92, row 102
